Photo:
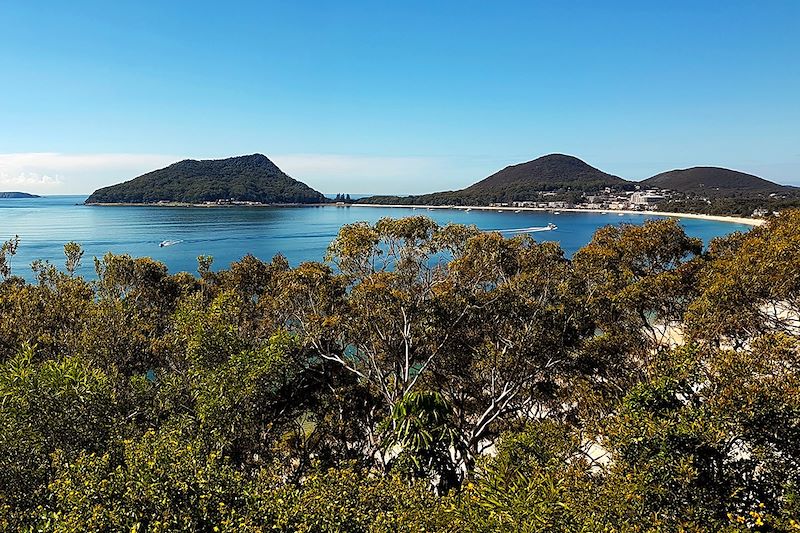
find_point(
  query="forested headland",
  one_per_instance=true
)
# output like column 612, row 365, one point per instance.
column 422, row 378
column 244, row 179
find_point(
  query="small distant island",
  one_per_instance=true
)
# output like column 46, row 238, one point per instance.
column 15, row 194
column 244, row 180
column 558, row 181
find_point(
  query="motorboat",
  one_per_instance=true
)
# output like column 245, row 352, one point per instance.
column 549, row 227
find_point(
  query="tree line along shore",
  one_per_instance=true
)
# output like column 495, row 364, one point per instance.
column 721, row 218
column 421, row 378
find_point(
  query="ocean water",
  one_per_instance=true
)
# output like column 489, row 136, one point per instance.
column 227, row 234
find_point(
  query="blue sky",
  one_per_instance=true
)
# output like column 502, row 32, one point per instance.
column 401, row 97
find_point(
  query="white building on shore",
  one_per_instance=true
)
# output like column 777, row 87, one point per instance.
column 646, row 198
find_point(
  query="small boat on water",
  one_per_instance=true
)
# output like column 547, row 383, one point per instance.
column 549, row 227
column 621, row 215
column 163, row 244
column 469, row 209
column 557, row 212
column 518, row 211
column 604, row 213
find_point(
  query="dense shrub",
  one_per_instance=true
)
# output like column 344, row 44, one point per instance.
column 426, row 379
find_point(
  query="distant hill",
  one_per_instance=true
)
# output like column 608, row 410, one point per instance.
column 713, row 182
column 14, row 194
column 249, row 178
column 548, row 173
column 554, row 172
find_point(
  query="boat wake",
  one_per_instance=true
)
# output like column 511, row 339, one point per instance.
column 162, row 244
column 534, row 229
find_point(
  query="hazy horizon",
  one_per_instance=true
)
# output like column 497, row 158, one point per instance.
column 332, row 192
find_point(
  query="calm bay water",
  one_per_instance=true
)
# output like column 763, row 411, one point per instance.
column 227, row 234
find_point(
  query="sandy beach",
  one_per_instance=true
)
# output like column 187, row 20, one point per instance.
column 720, row 218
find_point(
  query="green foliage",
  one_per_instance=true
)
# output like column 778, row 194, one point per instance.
column 428, row 379
column 351, row 500
column 74, row 254
column 8, row 250
column 752, row 284
column 708, row 190
column 423, row 433
column 638, row 282
column 713, row 182
column 163, row 481
column 59, row 404
column 558, row 173
column 252, row 178
column 533, row 483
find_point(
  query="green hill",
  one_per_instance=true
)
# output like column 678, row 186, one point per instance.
column 553, row 172
column 713, row 182
column 547, row 173
column 250, row 178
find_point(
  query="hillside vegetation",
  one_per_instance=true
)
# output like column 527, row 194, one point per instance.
column 565, row 178
column 643, row 385
column 251, row 178
column 547, row 173
column 554, row 172
column 713, row 182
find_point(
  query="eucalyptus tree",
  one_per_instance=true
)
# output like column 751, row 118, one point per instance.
column 73, row 253
column 638, row 277
column 8, row 250
column 751, row 285
column 516, row 347
column 637, row 283
column 135, row 301
column 710, row 440
column 51, row 313
column 486, row 322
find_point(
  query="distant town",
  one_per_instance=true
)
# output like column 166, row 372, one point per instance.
column 612, row 200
